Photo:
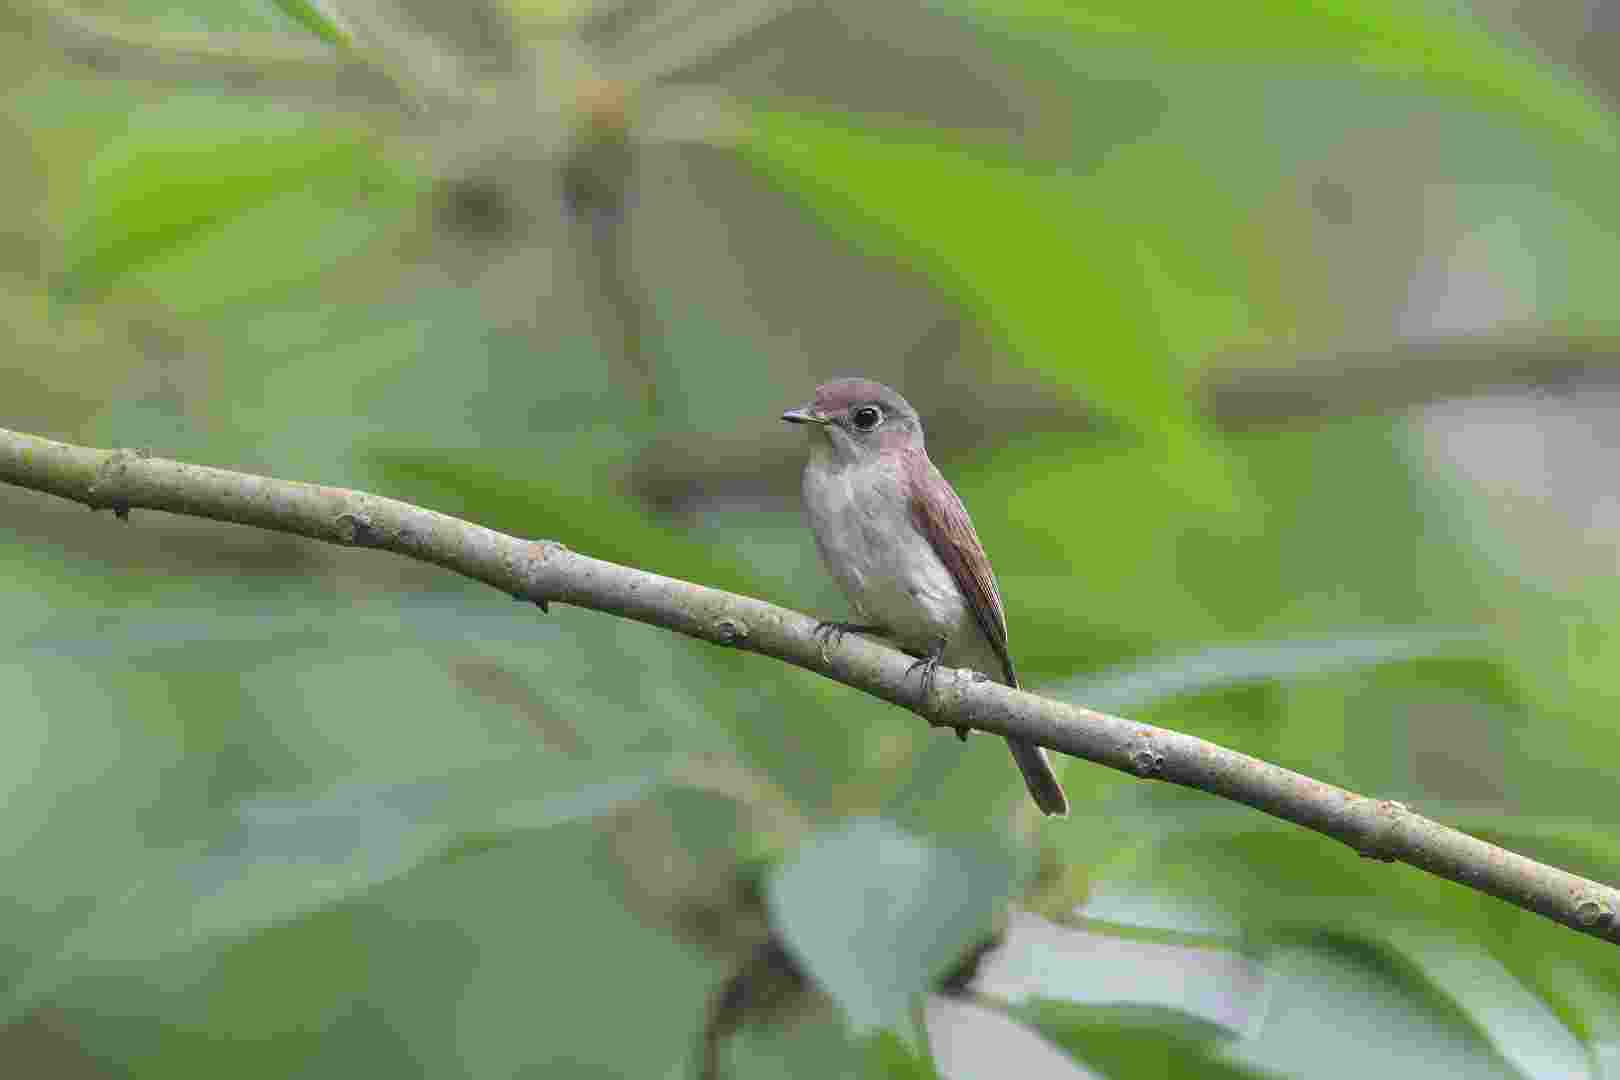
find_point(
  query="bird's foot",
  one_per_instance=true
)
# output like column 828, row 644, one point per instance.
column 929, row 665
column 829, row 635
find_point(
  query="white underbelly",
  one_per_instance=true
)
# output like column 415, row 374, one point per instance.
column 886, row 566
column 915, row 598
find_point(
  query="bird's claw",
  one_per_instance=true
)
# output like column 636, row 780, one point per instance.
column 929, row 666
column 829, row 635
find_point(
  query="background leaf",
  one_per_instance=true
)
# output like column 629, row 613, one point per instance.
column 313, row 17
column 1005, row 239
column 876, row 914
column 192, row 166
column 1422, row 41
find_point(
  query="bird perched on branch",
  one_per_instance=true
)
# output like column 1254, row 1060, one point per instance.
column 899, row 542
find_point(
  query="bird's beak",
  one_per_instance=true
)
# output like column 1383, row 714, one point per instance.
column 805, row 415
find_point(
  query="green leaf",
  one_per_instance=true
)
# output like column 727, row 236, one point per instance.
column 79, row 783
column 444, row 971
column 300, row 240
column 1065, row 282
column 1214, row 986
column 806, row 1047
column 285, row 858
column 187, row 167
column 564, row 979
column 1225, row 666
column 876, row 915
column 249, row 1008
column 1436, row 46
column 1511, row 980
column 1339, row 1009
column 1515, row 1021
column 312, row 17
column 889, row 1058
column 1124, row 1041
column 1168, row 579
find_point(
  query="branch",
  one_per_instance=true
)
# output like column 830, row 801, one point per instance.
column 1244, row 388
column 544, row 571
column 1258, row 386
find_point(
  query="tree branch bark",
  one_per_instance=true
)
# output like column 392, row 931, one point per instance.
column 544, row 571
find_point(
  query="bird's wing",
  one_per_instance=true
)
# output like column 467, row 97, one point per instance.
column 945, row 522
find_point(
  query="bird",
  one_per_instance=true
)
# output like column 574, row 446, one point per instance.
column 896, row 538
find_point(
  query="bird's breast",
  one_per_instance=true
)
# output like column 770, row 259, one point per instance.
column 861, row 517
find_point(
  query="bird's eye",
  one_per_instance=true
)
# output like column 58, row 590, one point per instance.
column 866, row 417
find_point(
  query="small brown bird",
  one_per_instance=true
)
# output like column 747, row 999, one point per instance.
column 898, row 540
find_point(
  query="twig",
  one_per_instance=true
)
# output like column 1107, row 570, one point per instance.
column 543, row 571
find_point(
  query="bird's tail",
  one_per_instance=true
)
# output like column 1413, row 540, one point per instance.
column 1039, row 778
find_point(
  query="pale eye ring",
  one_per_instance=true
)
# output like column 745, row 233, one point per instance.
column 866, row 417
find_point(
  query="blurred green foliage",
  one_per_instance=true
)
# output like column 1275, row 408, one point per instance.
column 276, row 811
